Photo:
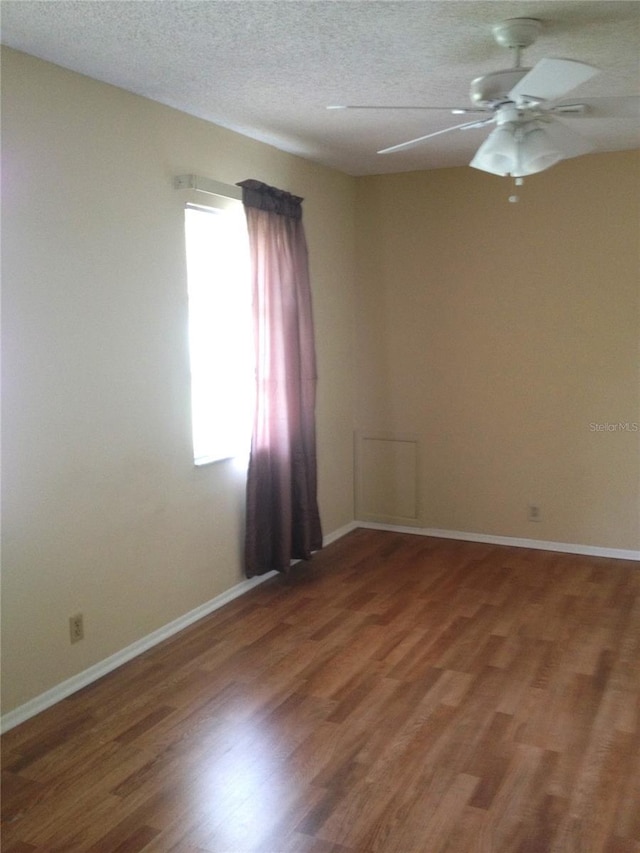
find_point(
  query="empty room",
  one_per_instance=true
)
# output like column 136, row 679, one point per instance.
column 320, row 426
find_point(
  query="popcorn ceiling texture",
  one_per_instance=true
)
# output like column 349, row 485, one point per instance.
column 268, row 68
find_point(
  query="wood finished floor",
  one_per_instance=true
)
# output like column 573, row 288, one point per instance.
column 399, row 694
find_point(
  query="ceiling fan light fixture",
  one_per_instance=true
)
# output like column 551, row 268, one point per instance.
column 536, row 153
column 517, row 151
column 498, row 153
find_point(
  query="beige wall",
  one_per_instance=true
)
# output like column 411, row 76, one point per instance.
column 103, row 509
column 495, row 334
column 488, row 337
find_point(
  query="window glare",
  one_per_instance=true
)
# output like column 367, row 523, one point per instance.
column 220, row 341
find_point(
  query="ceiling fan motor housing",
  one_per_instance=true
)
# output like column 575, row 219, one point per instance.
column 514, row 33
column 492, row 89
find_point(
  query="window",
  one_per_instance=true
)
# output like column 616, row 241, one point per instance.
column 220, row 335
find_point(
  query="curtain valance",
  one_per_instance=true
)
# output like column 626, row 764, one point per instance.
column 271, row 199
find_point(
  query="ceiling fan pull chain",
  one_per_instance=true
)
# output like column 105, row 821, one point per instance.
column 518, row 182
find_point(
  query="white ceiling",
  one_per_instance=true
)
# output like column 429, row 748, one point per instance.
column 269, row 68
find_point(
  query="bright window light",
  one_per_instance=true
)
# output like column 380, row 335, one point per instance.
column 220, row 335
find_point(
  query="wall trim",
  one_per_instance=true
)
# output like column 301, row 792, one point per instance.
column 340, row 532
column 537, row 544
column 93, row 673
column 66, row 688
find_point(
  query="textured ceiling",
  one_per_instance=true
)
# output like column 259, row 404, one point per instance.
column 269, row 68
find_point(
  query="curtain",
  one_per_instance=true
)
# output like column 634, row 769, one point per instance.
column 282, row 517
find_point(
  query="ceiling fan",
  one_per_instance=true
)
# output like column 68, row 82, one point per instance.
column 530, row 133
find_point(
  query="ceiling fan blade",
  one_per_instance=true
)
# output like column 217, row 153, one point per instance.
column 623, row 106
column 570, row 143
column 552, row 78
column 456, row 110
column 468, row 125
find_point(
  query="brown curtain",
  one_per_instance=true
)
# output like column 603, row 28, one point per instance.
column 283, row 522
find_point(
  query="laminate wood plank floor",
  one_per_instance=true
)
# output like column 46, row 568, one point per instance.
column 398, row 693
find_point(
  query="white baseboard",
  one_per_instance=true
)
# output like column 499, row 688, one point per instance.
column 93, row 673
column 340, row 532
column 537, row 544
column 82, row 679
column 87, row 676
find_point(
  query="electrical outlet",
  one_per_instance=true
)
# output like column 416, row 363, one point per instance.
column 76, row 628
column 534, row 513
